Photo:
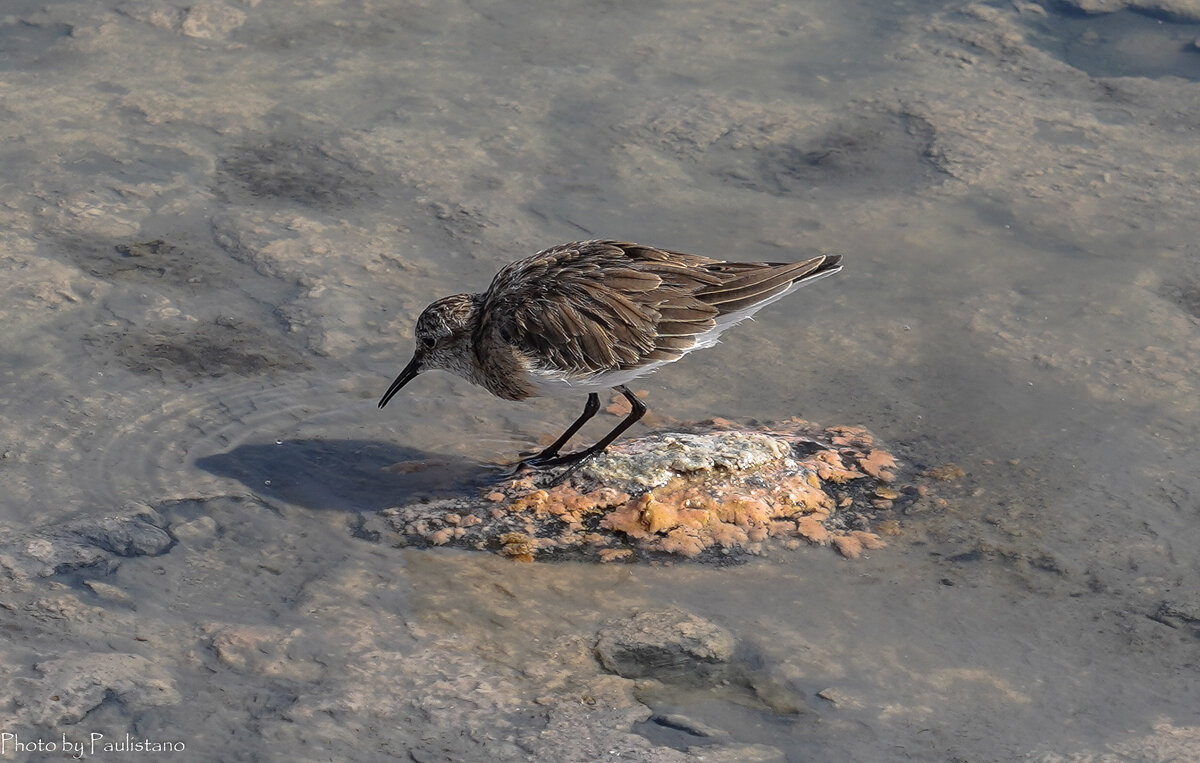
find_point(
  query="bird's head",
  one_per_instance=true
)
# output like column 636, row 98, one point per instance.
column 443, row 334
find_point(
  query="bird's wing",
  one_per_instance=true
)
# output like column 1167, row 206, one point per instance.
column 596, row 306
column 744, row 285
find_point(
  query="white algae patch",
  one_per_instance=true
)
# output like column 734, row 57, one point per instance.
column 654, row 462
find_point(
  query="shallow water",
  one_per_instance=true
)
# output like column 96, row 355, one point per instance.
column 220, row 220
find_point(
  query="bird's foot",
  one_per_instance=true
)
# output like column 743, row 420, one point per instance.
column 532, row 463
column 542, row 461
column 565, row 474
column 569, row 458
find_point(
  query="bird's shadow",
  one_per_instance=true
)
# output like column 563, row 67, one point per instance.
column 346, row 475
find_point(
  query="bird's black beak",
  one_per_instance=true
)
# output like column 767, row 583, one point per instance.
column 408, row 374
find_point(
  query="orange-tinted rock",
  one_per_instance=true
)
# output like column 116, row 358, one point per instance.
column 848, row 546
column 852, row 544
column 853, row 436
column 726, row 535
column 715, row 489
column 517, row 546
column 627, row 519
column 614, row 554
column 682, row 541
column 828, row 466
column 804, row 493
column 658, row 516
column 878, row 464
column 868, row 540
column 811, row 528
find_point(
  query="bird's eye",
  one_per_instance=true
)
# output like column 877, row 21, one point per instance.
column 428, row 342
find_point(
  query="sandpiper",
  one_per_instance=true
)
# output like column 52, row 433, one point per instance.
column 594, row 315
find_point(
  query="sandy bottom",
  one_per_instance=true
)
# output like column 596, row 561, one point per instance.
column 220, row 219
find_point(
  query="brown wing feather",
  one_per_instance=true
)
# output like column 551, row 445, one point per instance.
column 747, row 286
column 594, row 306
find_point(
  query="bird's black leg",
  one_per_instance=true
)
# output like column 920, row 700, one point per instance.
column 589, row 410
column 576, row 460
column 637, row 410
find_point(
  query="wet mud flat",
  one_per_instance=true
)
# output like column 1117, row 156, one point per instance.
column 221, row 218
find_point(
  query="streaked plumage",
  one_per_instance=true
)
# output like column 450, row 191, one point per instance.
column 594, row 315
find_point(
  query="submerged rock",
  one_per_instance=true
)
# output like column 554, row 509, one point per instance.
column 1184, row 11
column 86, row 543
column 713, row 490
column 674, row 648
column 69, row 687
column 671, row 646
column 122, row 535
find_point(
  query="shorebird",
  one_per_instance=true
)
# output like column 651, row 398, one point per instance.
column 593, row 315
